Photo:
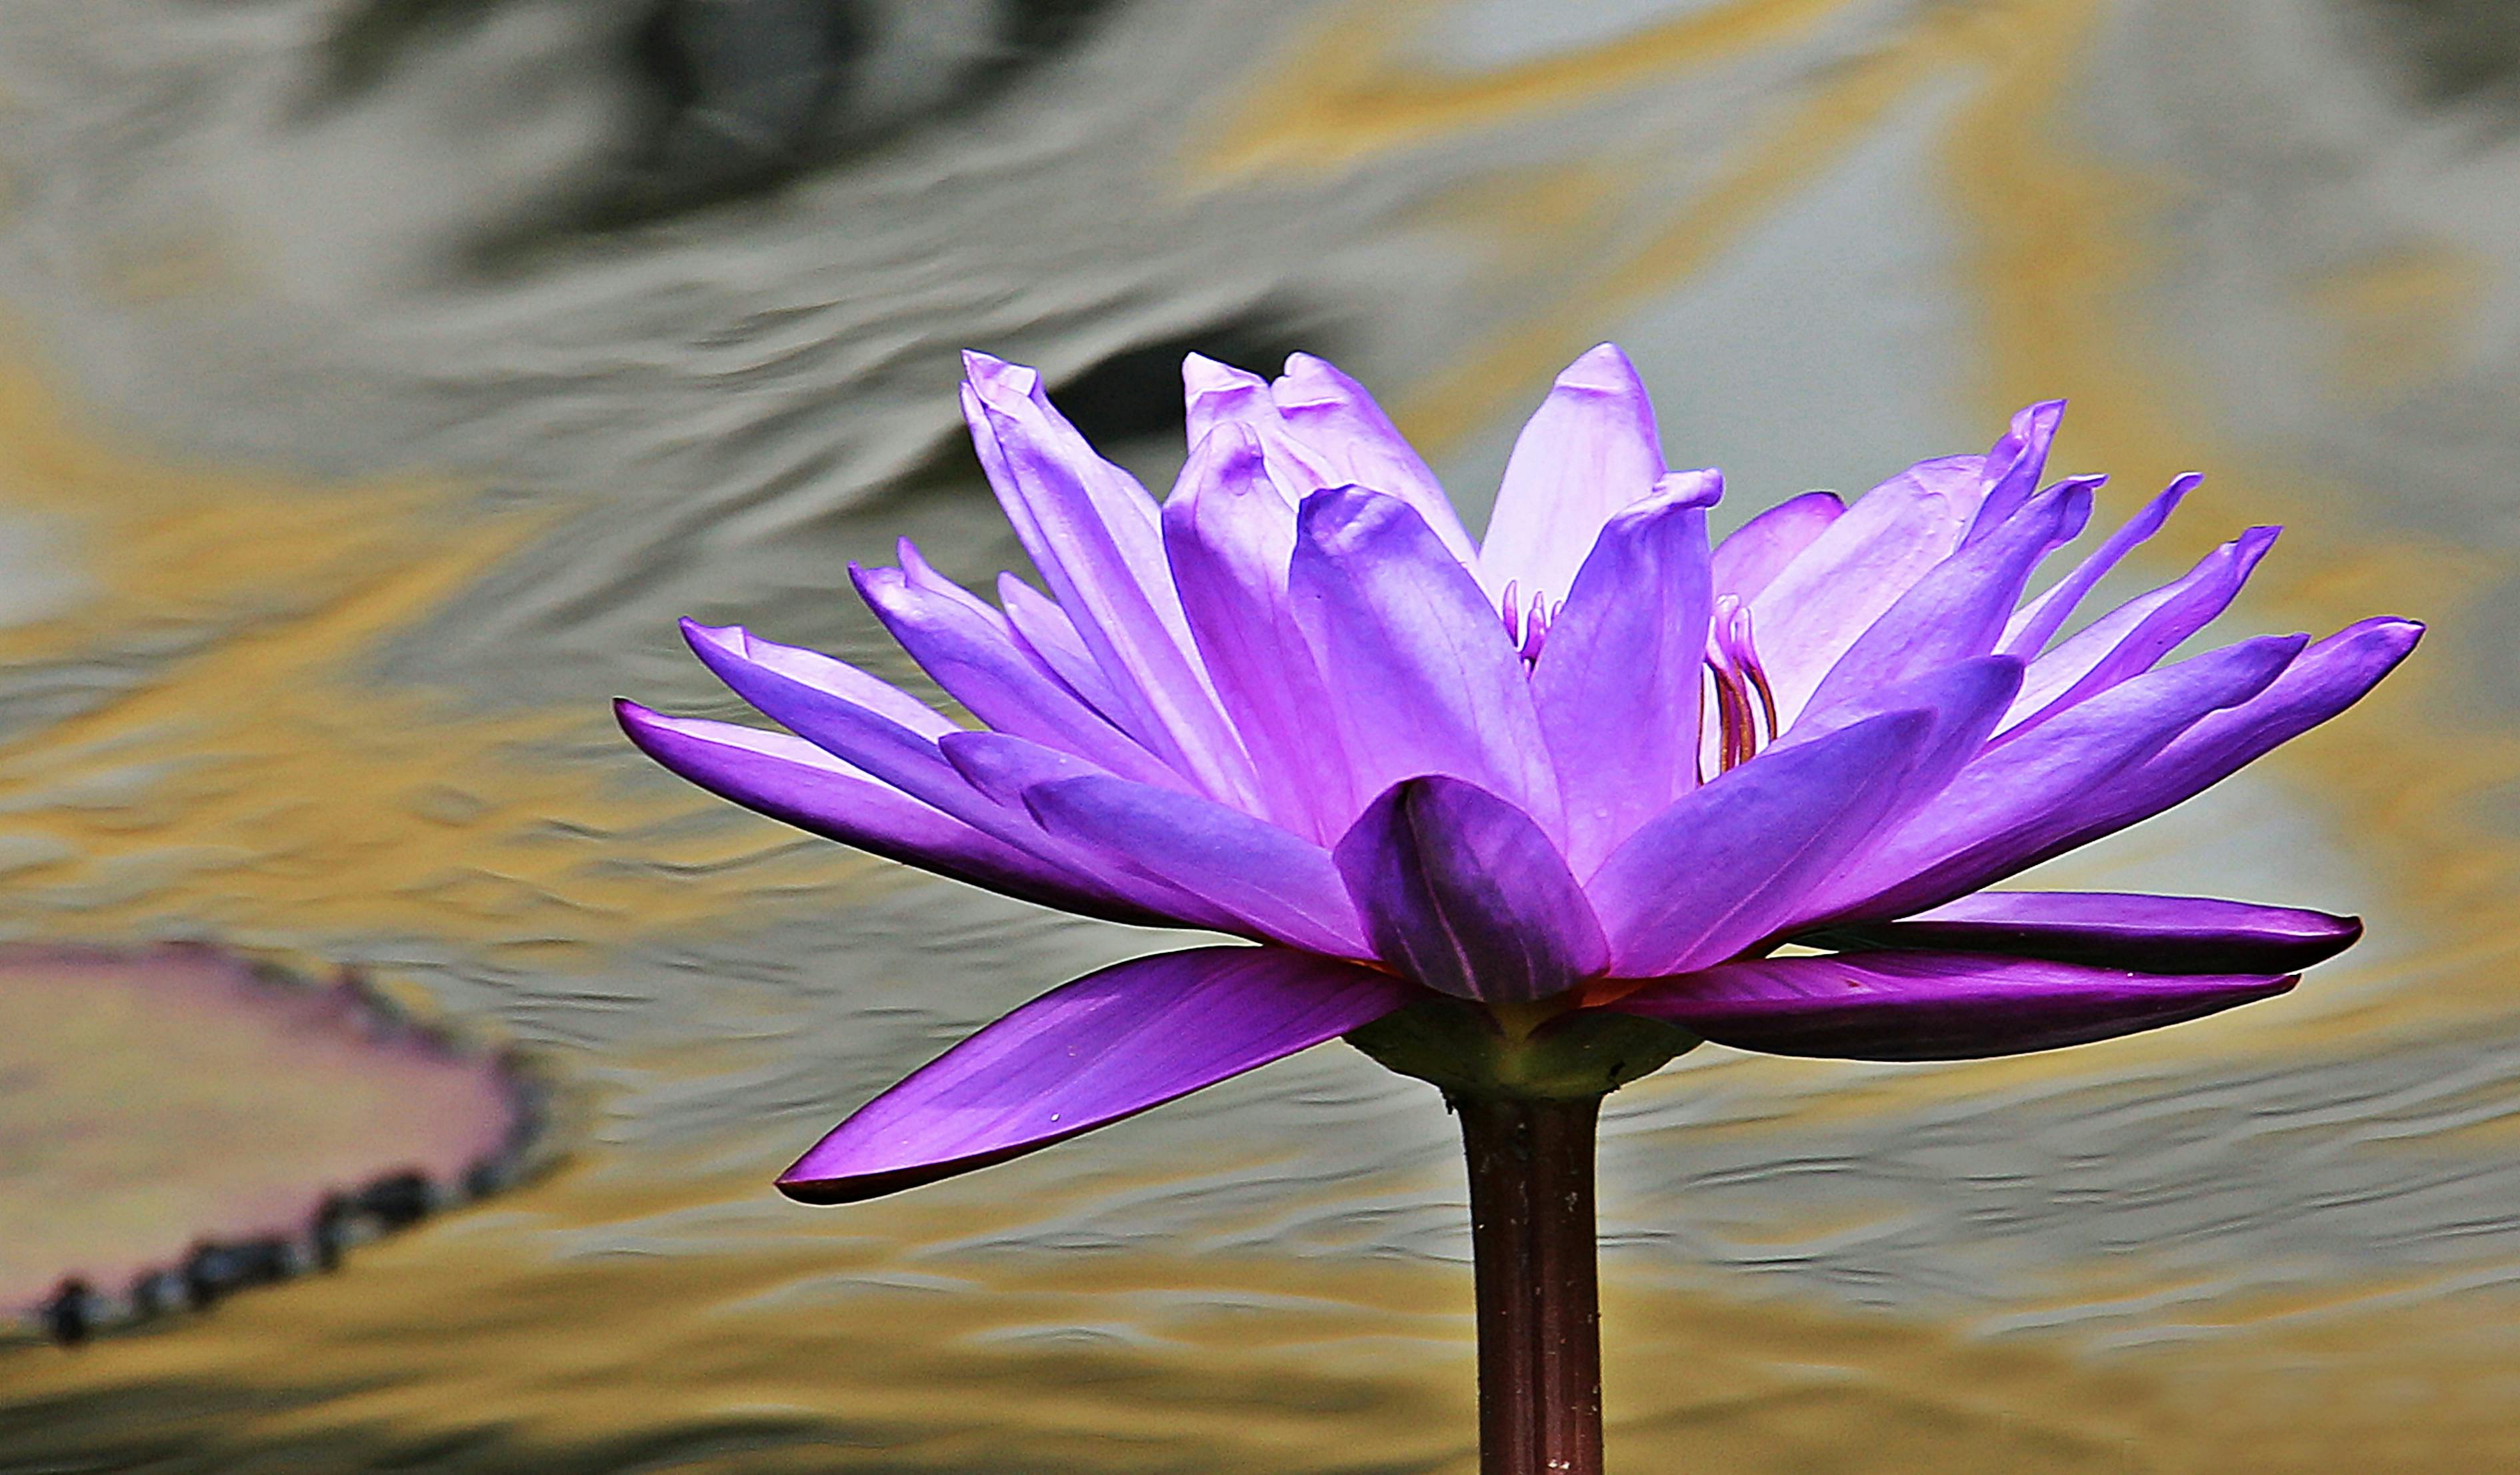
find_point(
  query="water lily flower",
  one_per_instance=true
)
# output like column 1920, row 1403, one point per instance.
column 1588, row 763
column 1525, row 815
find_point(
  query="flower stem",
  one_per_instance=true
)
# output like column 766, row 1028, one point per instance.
column 1532, row 1244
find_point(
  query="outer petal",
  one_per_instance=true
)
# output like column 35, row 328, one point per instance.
column 1726, row 865
column 2010, row 805
column 1230, row 537
column 1857, row 567
column 1589, row 451
column 1461, row 892
column 794, row 781
column 2132, row 637
column 1423, row 677
column 1758, row 550
column 1334, row 415
column 2105, row 929
column 2014, row 465
column 1618, row 683
column 1271, row 881
column 964, row 645
column 1932, row 1005
column 1046, row 634
column 2327, row 679
column 1093, row 532
column 2037, row 622
column 1106, row 1046
column 1957, row 610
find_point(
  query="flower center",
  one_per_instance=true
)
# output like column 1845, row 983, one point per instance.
column 1732, row 663
column 1528, row 629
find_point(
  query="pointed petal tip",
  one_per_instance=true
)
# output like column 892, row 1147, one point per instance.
column 1702, row 487
column 1603, row 368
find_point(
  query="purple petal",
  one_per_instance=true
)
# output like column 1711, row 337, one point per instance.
column 1106, row 1046
column 1229, row 539
column 1589, row 451
column 1339, row 421
column 1957, row 610
column 2012, row 804
column 1266, row 879
column 1932, row 1005
column 793, row 781
column 2038, row 622
column 1727, row 863
column 2014, row 464
column 838, row 708
column 2132, row 637
column 1463, row 893
column 1758, row 550
column 2105, row 929
column 1424, row 679
column 1618, row 683
column 1094, row 534
column 2327, row 679
column 1046, row 634
column 1223, row 399
column 1857, row 568
column 967, row 648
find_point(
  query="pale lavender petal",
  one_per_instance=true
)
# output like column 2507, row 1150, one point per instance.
column 2129, row 640
column 1758, row 550
column 1046, row 633
column 1463, row 893
column 839, row 708
column 1221, row 398
column 793, row 781
column 1618, row 683
column 2115, row 930
column 1335, row 417
column 1589, row 451
column 1267, row 879
column 964, row 646
column 1726, row 864
column 1095, row 536
column 1857, row 567
column 1229, row 539
column 1423, row 677
column 2010, row 805
column 1932, row 1005
column 1957, row 610
column 2014, row 464
column 2037, row 622
column 1106, row 1046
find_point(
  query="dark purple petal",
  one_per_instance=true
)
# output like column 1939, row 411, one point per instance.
column 1758, row 550
column 1106, row 1046
column 1230, row 537
column 2107, row 929
column 1265, row 879
column 2011, row 804
column 1932, row 1005
column 1618, row 683
column 1334, row 415
column 2132, row 637
column 1957, row 610
column 1094, row 534
column 968, row 649
column 1461, row 892
column 1589, row 451
column 2038, row 622
column 797, row 782
column 1728, row 863
column 2014, row 464
column 1423, row 677
column 1814, row 609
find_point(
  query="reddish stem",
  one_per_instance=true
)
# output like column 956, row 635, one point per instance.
column 1532, row 1243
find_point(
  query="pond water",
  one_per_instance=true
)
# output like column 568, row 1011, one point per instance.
column 381, row 377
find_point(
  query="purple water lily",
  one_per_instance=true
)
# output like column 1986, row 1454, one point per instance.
column 1526, row 816
column 1589, row 763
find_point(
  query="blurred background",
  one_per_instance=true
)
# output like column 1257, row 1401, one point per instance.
column 379, row 378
